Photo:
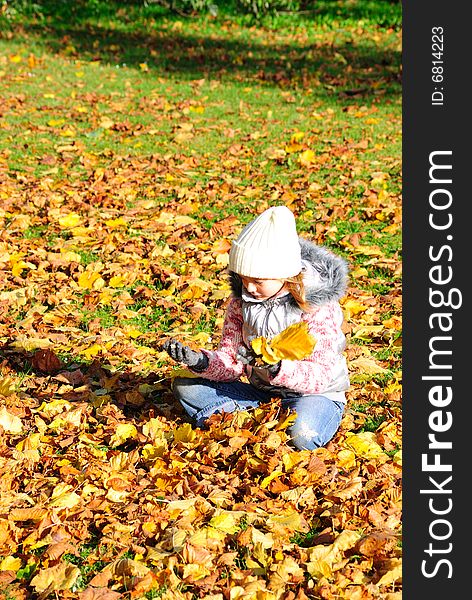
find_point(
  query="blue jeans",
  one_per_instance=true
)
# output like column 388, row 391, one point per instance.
column 318, row 417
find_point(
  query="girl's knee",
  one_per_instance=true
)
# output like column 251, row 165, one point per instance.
column 304, row 436
column 183, row 386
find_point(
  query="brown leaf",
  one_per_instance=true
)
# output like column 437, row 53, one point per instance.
column 376, row 543
column 59, row 577
column 46, row 361
column 100, row 593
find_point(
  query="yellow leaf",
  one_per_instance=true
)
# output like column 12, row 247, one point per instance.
column 123, row 432
column 365, row 332
column 182, row 373
column 54, row 407
column 151, row 452
column 227, row 521
column 132, row 332
column 264, row 540
column 10, row 423
column 60, row 577
column 117, row 495
column 265, row 482
column 292, row 459
column 193, row 572
column 63, row 497
column 7, row 385
column 18, row 268
column 205, row 536
column 89, row 280
column 116, row 281
column 184, row 433
column 70, row 220
column 32, row 442
column 149, row 527
column 367, row 365
column 394, row 574
column 176, row 507
column 293, row 147
column 222, row 259
column 94, row 350
column 346, row 459
column 293, row 343
column 115, row 223
column 71, row 256
column 324, row 559
column 353, row 307
column 293, row 521
column 359, row 272
column 154, row 428
column 365, row 445
column 10, row 563
column 307, row 158
column 398, row 458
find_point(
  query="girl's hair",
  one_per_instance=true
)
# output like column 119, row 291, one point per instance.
column 296, row 287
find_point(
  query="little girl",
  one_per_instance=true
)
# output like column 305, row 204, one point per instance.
column 277, row 279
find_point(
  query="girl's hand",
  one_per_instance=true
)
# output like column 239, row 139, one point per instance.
column 248, row 357
column 245, row 355
column 183, row 354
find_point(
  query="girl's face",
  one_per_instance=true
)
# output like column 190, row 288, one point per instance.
column 262, row 289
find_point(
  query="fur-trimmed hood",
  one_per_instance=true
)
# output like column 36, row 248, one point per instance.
column 325, row 274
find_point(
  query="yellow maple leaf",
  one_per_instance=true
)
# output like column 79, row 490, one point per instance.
column 307, row 158
column 184, row 433
column 365, row 445
column 152, row 451
column 227, row 521
column 93, row 350
column 90, row 279
column 115, row 223
column 10, row 563
column 293, row 343
column 70, row 220
column 123, row 432
column 116, row 281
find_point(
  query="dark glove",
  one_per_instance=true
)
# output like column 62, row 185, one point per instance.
column 248, row 357
column 273, row 369
column 197, row 361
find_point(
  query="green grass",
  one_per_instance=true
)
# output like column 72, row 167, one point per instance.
column 220, row 104
column 180, row 68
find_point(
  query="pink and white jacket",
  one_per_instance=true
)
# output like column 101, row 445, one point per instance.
column 325, row 370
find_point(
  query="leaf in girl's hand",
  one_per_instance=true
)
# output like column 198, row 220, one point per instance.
column 293, row 343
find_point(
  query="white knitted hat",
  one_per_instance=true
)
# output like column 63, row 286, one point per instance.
column 268, row 246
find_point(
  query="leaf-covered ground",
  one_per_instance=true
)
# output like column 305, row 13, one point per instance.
column 131, row 153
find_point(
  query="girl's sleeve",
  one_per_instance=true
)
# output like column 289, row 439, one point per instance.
column 222, row 363
column 313, row 375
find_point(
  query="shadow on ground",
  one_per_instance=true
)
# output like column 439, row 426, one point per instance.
column 350, row 66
